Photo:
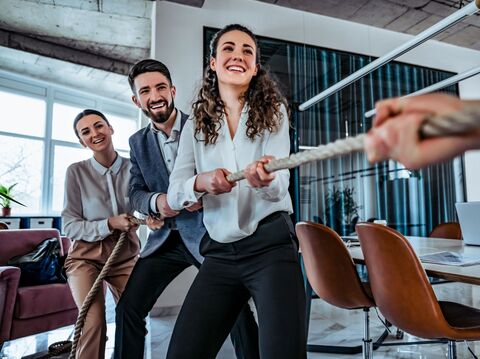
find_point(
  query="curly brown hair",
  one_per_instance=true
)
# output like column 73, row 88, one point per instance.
column 262, row 96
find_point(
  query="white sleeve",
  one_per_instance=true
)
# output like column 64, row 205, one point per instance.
column 278, row 145
column 181, row 192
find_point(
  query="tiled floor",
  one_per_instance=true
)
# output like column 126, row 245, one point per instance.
column 328, row 325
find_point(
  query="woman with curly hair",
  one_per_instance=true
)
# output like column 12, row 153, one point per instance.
column 239, row 121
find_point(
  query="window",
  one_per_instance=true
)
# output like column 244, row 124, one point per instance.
column 64, row 157
column 62, row 126
column 38, row 142
column 20, row 114
column 21, row 162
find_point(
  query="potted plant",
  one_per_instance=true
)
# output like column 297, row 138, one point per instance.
column 6, row 199
column 341, row 210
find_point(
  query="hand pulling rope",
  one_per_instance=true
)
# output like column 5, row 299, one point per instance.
column 456, row 123
column 448, row 125
column 96, row 287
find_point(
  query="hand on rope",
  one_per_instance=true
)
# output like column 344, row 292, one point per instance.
column 415, row 134
column 406, row 129
column 98, row 284
column 154, row 223
column 214, row 182
column 256, row 175
column 122, row 222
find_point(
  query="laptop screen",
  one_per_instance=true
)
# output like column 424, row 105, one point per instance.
column 469, row 218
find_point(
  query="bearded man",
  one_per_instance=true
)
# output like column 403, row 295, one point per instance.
column 173, row 246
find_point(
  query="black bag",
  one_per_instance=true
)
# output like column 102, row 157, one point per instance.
column 42, row 265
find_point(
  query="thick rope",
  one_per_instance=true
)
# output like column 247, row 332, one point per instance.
column 97, row 285
column 456, row 123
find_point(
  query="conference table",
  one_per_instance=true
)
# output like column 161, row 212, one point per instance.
column 426, row 245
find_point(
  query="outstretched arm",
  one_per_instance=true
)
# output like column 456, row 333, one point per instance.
column 396, row 129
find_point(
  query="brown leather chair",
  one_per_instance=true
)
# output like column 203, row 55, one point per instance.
column 449, row 230
column 404, row 295
column 332, row 273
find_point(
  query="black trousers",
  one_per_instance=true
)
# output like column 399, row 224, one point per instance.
column 263, row 266
column 149, row 278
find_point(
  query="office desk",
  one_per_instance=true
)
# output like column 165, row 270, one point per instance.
column 426, row 245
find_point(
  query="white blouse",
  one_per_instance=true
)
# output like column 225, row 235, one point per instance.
column 229, row 217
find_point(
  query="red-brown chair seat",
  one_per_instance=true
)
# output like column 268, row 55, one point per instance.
column 47, row 299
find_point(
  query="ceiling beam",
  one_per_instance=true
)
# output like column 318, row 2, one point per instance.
column 44, row 48
column 194, row 3
column 65, row 22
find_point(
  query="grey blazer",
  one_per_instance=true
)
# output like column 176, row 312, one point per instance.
column 149, row 176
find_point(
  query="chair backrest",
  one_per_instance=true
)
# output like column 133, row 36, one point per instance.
column 399, row 283
column 14, row 242
column 450, row 230
column 3, row 225
column 330, row 268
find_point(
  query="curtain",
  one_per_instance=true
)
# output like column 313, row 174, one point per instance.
column 342, row 191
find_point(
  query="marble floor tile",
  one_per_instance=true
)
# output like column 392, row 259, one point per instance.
column 328, row 325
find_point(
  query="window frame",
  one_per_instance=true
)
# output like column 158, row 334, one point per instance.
column 52, row 93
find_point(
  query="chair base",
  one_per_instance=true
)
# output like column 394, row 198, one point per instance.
column 339, row 349
column 342, row 349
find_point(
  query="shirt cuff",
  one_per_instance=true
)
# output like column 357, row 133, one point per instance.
column 153, row 203
column 191, row 196
column 103, row 229
column 271, row 191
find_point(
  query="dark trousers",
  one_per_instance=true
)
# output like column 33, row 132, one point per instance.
column 263, row 266
column 149, row 278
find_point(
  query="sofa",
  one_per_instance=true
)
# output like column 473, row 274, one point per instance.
column 33, row 309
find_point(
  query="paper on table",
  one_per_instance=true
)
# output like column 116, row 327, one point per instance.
column 450, row 258
column 351, row 241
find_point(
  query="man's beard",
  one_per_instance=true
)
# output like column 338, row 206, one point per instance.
column 160, row 117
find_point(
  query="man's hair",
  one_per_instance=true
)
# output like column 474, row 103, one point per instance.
column 84, row 113
column 148, row 65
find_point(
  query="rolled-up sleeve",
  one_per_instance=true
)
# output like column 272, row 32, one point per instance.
column 181, row 193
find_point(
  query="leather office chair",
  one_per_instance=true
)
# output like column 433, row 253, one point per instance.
column 449, row 230
column 332, row 273
column 403, row 294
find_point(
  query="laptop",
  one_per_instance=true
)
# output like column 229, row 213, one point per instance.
column 469, row 218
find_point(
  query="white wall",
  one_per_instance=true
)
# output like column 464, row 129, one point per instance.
column 179, row 39
column 179, row 43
